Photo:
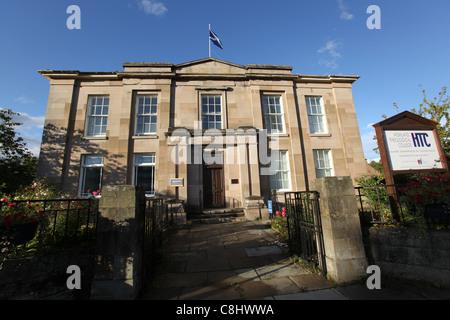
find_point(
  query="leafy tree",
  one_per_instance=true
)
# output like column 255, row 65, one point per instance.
column 17, row 164
column 438, row 110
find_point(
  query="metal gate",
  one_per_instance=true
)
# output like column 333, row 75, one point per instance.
column 305, row 228
column 153, row 236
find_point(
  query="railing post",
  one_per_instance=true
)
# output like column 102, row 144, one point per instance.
column 345, row 255
column 119, row 249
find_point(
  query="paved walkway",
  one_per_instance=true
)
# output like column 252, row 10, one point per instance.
column 242, row 260
column 228, row 261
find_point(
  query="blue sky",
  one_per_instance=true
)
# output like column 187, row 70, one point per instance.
column 322, row 37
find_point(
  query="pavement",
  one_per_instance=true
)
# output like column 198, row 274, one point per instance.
column 246, row 261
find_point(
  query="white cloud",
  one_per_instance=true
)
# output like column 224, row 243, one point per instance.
column 23, row 100
column 345, row 15
column 152, row 7
column 30, row 130
column 330, row 51
column 29, row 122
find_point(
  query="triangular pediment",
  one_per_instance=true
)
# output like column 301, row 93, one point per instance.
column 210, row 66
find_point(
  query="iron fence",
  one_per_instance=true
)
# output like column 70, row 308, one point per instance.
column 39, row 225
column 305, row 228
column 155, row 221
column 383, row 204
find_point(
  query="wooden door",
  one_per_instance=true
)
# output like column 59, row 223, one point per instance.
column 217, row 182
column 213, row 187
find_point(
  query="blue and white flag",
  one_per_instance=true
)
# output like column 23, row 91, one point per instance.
column 215, row 39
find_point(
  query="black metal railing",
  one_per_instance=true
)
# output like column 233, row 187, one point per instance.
column 155, row 221
column 305, row 228
column 40, row 225
column 383, row 204
column 380, row 204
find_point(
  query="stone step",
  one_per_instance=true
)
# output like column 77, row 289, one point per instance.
column 211, row 216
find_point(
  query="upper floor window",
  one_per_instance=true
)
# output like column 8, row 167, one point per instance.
column 97, row 116
column 273, row 114
column 211, row 111
column 316, row 115
column 146, row 114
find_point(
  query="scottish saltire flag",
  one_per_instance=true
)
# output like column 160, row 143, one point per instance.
column 215, row 39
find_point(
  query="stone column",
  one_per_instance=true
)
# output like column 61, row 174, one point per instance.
column 118, row 269
column 344, row 249
column 254, row 208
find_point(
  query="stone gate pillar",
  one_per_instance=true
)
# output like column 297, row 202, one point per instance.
column 119, row 246
column 344, row 249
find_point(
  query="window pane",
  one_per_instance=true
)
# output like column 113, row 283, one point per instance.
column 273, row 114
column 322, row 162
column 280, row 180
column 147, row 105
column 145, row 159
column 97, row 116
column 92, row 179
column 144, row 177
column 211, row 112
column 93, row 160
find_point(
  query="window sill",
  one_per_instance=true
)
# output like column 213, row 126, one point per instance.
column 149, row 136
column 278, row 135
column 320, row 135
column 97, row 138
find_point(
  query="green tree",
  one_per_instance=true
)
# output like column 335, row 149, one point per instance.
column 17, row 164
column 438, row 110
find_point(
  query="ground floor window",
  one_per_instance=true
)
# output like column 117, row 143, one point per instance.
column 91, row 174
column 144, row 172
column 280, row 180
column 323, row 164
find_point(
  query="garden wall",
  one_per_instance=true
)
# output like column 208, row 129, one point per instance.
column 412, row 253
column 45, row 276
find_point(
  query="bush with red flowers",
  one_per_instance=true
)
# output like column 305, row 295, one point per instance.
column 16, row 213
column 426, row 190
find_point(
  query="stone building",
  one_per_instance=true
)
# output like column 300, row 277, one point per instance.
column 209, row 132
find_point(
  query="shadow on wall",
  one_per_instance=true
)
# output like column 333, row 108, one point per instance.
column 57, row 163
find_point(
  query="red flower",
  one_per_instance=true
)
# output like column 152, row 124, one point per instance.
column 11, row 205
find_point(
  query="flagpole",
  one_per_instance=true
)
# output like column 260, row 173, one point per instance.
column 209, row 41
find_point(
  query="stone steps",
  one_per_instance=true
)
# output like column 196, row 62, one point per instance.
column 212, row 216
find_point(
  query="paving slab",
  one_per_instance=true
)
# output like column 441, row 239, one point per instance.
column 262, row 251
column 238, row 260
column 327, row 294
column 279, row 271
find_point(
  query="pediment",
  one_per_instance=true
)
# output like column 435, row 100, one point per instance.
column 210, row 66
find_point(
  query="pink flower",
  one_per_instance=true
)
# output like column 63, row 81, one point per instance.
column 283, row 209
column 283, row 214
column 95, row 193
column 277, row 213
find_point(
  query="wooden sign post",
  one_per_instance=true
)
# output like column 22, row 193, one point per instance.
column 408, row 143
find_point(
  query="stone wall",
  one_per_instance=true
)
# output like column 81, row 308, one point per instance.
column 412, row 253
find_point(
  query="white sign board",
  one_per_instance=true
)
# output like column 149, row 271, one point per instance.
column 412, row 150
